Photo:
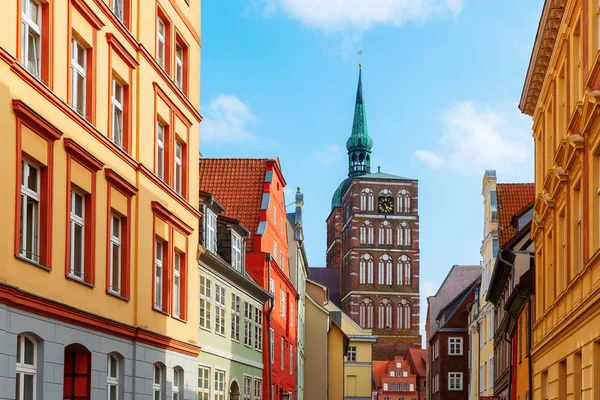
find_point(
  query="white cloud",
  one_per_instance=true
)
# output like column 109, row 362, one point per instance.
column 330, row 154
column 432, row 159
column 226, row 120
column 336, row 15
column 476, row 138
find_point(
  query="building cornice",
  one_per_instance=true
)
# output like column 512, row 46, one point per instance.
column 541, row 55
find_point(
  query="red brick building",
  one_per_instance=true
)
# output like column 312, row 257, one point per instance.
column 449, row 349
column 373, row 237
column 251, row 190
column 395, row 380
column 418, row 360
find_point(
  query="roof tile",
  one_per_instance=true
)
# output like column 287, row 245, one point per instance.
column 512, row 197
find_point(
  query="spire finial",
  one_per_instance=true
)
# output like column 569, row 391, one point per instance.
column 359, row 54
column 360, row 143
column 379, row 168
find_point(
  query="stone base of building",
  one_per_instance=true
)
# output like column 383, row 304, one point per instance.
column 53, row 337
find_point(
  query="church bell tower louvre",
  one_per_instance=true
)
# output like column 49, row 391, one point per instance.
column 373, row 239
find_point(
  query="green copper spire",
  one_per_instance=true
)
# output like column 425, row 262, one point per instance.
column 360, row 143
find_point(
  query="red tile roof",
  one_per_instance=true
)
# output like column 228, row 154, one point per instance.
column 512, row 197
column 379, row 369
column 237, row 184
column 417, row 357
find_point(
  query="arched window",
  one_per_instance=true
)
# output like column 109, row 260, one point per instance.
column 404, row 314
column 366, row 269
column 158, row 381
column 404, row 205
column 404, row 235
column 385, row 193
column 392, row 373
column 385, row 270
column 177, row 383
column 385, row 314
column 403, row 270
column 77, row 370
column 412, row 386
column 113, row 377
column 366, row 233
column 385, row 233
column 367, row 201
column 26, row 366
column 366, row 313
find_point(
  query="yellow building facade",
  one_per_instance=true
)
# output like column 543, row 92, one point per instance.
column 561, row 95
column 99, row 110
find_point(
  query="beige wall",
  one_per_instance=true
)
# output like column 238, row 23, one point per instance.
column 316, row 353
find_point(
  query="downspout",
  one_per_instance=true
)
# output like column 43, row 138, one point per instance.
column 510, row 367
column 478, row 359
column 271, row 305
column 529, row 362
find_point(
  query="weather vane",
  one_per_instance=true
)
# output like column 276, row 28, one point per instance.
column 359, row 54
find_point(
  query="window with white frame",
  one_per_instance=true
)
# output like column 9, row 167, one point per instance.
column 385, row 270
column 236, row 251
column 403, row 270
column 158, row 275
column 404, row 201
column 283, row 304
column 385, row 233
column 291, row 359
column 385, row 314
column 392, row 373
column 30, row 211
column 177, row 389
column 160, row 41
column 247, row 387
column 272, row 286
column 219, row 309
column 115, row 253
column 26, row 367
column 211, row 231
column 205, row 303
column 117, row 112
column 366, row 232
column 248, row 323
column 177, row 285
column 31, row 36
column 366, row 313
column 157, row 382
column 77, row 217
column 404, row 316
column 455, row 381
column 257, row 389
column 160, row 150
column 455, row 346
column 275, row 216
column 366, row 269
column 352, row 353
column 275, row 251
column 179, row 66
column 291, row 312
column 366, row 200
column 235, row 317
column 78, row 76
column 411, row 387
column 282, row 354
column 219, row 385
column 281, row 260
column 272, row 345
column 112, row 377
column 117, row 8
column 398, row 365
column 178, row 167
column 203, row 383
column 404, row 234
column 405, row 373
column 258, row 317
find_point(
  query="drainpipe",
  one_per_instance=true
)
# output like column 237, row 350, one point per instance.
column 478, row 358
column 271, row 305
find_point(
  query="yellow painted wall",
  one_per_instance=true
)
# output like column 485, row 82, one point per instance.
column 335, row 355
column 315, row 367
column 48, row 103
column 523, row 362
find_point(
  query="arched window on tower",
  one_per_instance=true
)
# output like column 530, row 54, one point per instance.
column 384, row 270
column 403, row 270
column 404, row 314
column 366, row 233
column 367, row 201
column 366, row 269
column 404, row 235
column 385, row 314
column 385, row 233
column 404, row 205
column 366, row 313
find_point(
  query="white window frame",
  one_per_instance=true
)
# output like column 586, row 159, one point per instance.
column 455, row 381
column 282, row 353
column 161, row 46
column 205, row 303
column 112, row 377
column 272, row 286
column 177, row 285
column 236, row 251
column 157, row 386
column 257, row 388
column 118, row 9
column 177, row 383
column 283, row 303
column 291, row 359
column 115, row 245
column 220, row 379
column 29, row 196
column 77, row 221
column 160, row 151
column 179, row 65
column 235, row 317
column 351, row 353
column 272, row 345
column 247, row 393
column 220, row 294
column 158, row 274
column 23, row 369
column 204, row 379
column 258, row 326
column 31, row 28
column 248, row 323
column 211, row 231
column 178, row 167
column 78, row 70
column 117, row 112
column 281, row 260
column 455, row 346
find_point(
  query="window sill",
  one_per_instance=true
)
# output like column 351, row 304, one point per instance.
column 236, row 341
column 220, row 334
column 28, row 261
column 179, row 319
column 158, row 310
column 118, row 296
column 75, row 279
column 206, row 329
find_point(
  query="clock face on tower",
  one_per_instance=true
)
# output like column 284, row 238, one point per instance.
column 385, row 205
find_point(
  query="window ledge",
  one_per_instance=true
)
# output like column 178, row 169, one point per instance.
column 74, row 279
column 158, row 310
column 118, row 296
column 28, row 261
column 179, row 319
column 205, row 329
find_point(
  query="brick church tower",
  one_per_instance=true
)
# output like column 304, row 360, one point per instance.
column 373, row 237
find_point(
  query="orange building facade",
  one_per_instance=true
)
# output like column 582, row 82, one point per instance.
column 99, row 109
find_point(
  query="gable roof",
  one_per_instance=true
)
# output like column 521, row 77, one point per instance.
column 512, row 197
column 330, row 278
column 417, row 358
column 238, row 184
column 379, row 369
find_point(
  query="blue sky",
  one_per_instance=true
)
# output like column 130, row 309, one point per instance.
column 442, row 81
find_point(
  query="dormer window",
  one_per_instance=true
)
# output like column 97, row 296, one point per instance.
column 211, row 231
column 236, row 251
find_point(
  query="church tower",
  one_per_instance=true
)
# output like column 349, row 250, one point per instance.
column 373, row 237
